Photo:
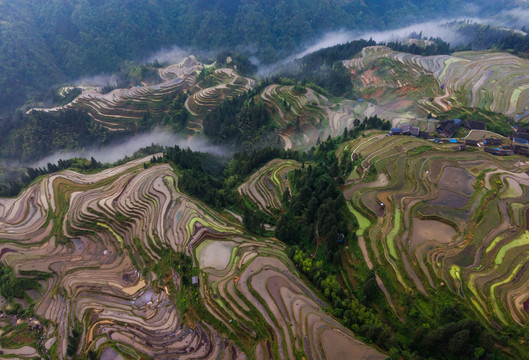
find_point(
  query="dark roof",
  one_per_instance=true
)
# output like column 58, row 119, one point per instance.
column 500, row 152
column 520, row 140
column 491, row 141
column 524, row 136
column 471, row 142
column 449, row 130
column 406, row 128
column 424, row 134
column 522, row 150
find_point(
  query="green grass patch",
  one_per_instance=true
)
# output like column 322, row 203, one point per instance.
column 522, row 240
column 363, row 222
column 393, row 233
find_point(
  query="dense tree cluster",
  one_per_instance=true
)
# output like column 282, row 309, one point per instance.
column 324, row 68
column 241, row 122
column 315, row 206
column 459, row 339
column 345, row 306
column 245, row 162
column 40, row 133
column 431, row 46
column 483, row 37
column 200, row 174
column 15, row 287
column 214, row 179
column 236, row 61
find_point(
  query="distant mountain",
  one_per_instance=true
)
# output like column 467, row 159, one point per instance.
column 43, row 42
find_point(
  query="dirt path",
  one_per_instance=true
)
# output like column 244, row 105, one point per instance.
column 439, row 100
column 362, row 244
column 186, row 105
column 388, row 298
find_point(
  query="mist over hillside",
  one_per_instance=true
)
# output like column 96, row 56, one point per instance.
column 43, row 43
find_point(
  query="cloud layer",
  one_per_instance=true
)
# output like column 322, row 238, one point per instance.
column 117, row 151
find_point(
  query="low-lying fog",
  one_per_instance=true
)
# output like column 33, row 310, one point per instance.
column 428, row 29
column 514, row 18
column 128, row 147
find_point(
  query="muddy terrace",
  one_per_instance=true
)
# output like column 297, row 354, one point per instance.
column 449, row 219
column 101, row 237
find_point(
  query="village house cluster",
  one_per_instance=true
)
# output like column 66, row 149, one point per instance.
column 448, row 128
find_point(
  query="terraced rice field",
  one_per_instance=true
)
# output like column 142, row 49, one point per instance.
column 454, row 219
column 97, row 234
column 305, row 116
column 230, row 85
column 121, row 108
column 401, row 91
column 266, row 187
column 497, row 82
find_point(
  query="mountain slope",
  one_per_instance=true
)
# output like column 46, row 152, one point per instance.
column 115, row 249
column 492, row 81
column 81, row 38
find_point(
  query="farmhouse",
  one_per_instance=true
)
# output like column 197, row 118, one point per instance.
column 405, row 129
column 520, row 140
column 448, row 128
column 424, row 134
column 521, row 135
column 498, row 151
column 521, row 150
column 491, row 141
column 470, row 142
column 521, row 130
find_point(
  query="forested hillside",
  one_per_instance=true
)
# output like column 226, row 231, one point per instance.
column 45, row 42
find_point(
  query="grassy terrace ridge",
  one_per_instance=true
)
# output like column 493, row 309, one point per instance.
column 453, row 220
column 117, row 251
